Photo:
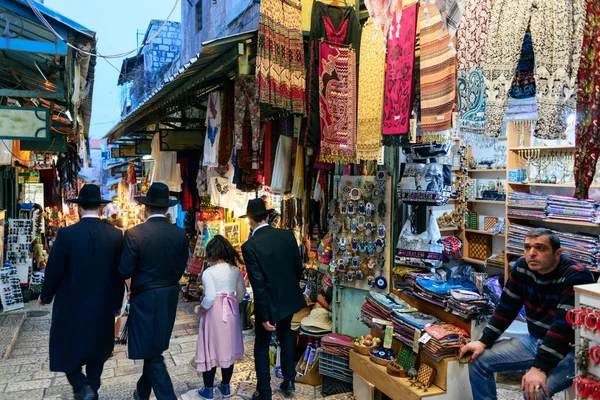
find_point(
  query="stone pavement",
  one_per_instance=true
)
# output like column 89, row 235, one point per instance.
column 26, row 376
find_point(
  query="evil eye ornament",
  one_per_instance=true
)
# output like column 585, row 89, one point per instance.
column 381, row 209
column 350, row 276
column 361, row 207
column 370, row 209
column 346, row 257
column 342, row 243
column 367, row 189
column 355, row 261
column 359, row 275
column 355, row 194
column 381, row 230
column 380, row 176
column 341, row 266
column 353, row 225
column 354, row 244
column 362, row 246
column 351, row 208
column 343, row 207
column 333, row 265
column 370, row 280
column 370, row 247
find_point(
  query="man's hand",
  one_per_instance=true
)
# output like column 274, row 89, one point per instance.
column 117, row 313
column 40, row 302
column 534, row 381
column 267, row 325
column 476, row 348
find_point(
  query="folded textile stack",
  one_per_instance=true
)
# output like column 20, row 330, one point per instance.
column 337, row 344
column 405, row 325
column 571, row 209
column 410, row 281
column 577, row 247
column 496, row 260
column 445, row 341
column 526, row 205
column 469, row 305
column 381, row 306
column 436, row 291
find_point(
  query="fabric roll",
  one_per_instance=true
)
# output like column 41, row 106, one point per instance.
column 438, row 72
column 399, row 75
column 371, row 79
column 337, row 103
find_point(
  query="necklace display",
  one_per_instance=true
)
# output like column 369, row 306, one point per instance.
column 358, row 229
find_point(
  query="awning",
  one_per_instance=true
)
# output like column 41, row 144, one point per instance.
column 200, row 75
column 113, row 182
column 87, row 178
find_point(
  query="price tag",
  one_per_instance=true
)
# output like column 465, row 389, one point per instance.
column 425, row 338
column 380, row 157
column 387, row 339
column 416, row 340
column 455, row 120
column 413, row 130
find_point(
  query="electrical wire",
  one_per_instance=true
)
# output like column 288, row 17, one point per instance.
column 41, row 17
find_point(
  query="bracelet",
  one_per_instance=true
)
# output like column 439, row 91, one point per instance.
column 595, row 354
column 536, row 368
column 591, row 320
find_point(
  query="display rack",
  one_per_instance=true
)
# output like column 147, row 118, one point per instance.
column 18, row 247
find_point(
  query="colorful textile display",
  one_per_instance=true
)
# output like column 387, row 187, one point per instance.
column 438, row 72
column 523, row 85
column 587, row 139
column 557, row 34
column 226, row 139
column 280, row 74
column 370, row 93
column 280, row 179
column 337, row 102
column 399, row 75
column 246, row 97
column 470, row 46
column 213, row 130
column 526, row 205
column 336, row 25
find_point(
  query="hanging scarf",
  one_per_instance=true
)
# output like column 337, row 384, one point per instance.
column 370, row 89
column 337, row 102
column 438, row 71
column 213, row 129
column 399, row 75
column 226, row 140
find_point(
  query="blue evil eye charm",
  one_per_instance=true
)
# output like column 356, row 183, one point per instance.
column 371, row 247
column 355, row 262
column 362, row 246
column 354, row 244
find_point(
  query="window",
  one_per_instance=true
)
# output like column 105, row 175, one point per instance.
column 199, row 16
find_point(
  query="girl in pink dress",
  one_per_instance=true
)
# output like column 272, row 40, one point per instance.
column 220, row 334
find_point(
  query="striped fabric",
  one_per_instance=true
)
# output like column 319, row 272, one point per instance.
column 546, row 298
column 438, row 71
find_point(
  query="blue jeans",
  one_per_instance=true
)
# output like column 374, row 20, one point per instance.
column 515, row 354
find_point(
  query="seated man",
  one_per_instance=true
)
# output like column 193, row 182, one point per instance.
column 543, row 282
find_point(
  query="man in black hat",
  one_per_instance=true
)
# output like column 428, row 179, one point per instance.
column 82, row 277
column 274, row 268
column 154, row 257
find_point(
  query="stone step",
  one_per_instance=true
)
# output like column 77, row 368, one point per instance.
column 10, row 326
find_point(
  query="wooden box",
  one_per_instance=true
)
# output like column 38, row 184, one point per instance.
column 480, row 246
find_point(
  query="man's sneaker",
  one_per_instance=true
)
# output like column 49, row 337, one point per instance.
column 206, row 393
column 225, row 390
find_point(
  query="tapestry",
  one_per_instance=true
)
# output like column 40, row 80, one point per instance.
column 226, row 141
column 246, row 100
column 438, row 72
column 370, row 92
column 523, row 84
column 337, row 103
column 587, row 133
column 280, row 75
column 213, row 129
column 399, row 75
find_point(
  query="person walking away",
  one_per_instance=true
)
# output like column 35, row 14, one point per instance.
column 220, row 341
column 83, row 280
column 154, row 257
column 542, row 281
column 274, row 268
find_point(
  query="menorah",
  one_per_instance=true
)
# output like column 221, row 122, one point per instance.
column 528, row 155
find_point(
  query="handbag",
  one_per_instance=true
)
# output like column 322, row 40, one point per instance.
column 195, row 265
column 420, row 250
column 425, row 184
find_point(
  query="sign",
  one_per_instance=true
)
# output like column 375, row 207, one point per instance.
column 34, row 193
column 127, row 150
column 181, row 140
column 20, row 123
column 56, row 144
column 143, row 147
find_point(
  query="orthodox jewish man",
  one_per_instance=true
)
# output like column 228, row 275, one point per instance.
column 82, row 277
column 154, row 257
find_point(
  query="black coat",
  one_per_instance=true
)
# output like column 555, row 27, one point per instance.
column 154, row 257
column 82, row 278
column 274, row 268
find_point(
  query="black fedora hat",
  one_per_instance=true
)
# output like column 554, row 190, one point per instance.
column 157, row 196
column 257, row 208
column 89, row 195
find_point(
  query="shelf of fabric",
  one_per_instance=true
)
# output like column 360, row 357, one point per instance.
column 557, row 221
column 487, row 202
column 488, row 170
column 545, row 148
column 473, row 261
column 485, row 232
column 394, row 387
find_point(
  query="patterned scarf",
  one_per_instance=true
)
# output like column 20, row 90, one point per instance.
column 226, row 140
column 371, row 86
column 337, row 103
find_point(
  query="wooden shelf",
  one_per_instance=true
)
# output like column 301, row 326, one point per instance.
column 473, row 261
column 557, row 221
column 484, row 232
column 488, row 170
column 545, row 148
column 514, row 254
column 449, row 229
column 566, row 185
column 487, row 202
column 394, row 387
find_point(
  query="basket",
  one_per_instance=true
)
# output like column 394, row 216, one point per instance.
column 395, row 370
column 380, row 361
column 335, row 366
column 333, row 386
column 364, row 350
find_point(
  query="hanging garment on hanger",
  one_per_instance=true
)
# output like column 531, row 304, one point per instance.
column 166, row 169
column 246, row 100
column 226, row 137
column 280, row 74
column 557, row 34
column 337, row 103
column 337, row 25
column 213, row 130
column 438, row 72
column 279, row 181
column 587, row 133
column 399, row 74
column 371, row 85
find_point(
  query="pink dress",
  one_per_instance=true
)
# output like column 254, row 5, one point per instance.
column 220, row 341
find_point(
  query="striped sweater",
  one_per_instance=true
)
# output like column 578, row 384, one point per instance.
column 546, row 298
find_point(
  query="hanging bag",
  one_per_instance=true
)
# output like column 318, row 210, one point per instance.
column 420, row 250
column 425, row 184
